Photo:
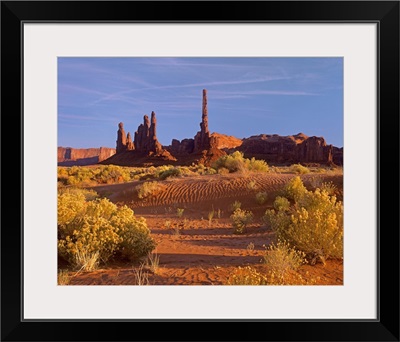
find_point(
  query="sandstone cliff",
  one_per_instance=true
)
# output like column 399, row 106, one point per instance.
column 297, row 148
column 67, row 156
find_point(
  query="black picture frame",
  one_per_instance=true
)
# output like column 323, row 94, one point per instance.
column 384, row 13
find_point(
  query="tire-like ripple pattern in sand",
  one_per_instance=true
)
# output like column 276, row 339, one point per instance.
column 200, row 189
column 189, row 190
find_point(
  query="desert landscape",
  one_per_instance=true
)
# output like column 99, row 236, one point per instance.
column 199, row 247
column 209, row 210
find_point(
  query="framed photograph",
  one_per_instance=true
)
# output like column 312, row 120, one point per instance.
column 232, row 161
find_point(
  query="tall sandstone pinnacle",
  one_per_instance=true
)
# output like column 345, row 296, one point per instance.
column 121, row 138
column 202, row 138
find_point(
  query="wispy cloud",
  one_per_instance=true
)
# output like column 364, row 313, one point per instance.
column 110, row 73
column 222, row 95
column 77, row 89
column 190, row 85
column 88, row 118
column 183, row 62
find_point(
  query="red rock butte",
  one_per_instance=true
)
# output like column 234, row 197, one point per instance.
column 204, row 147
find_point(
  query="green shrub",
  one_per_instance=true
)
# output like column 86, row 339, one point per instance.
column 147, row 188
column 240, row 219
column 92, row 231
column 236, row 162
column 278, row 221
column 136, row 239
column 281, row 204
column 233, row 162
column 299, row 169
column 172, row 172
column 261, row 197
column 313, row 225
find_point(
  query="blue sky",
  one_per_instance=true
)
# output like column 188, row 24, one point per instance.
column 246, row 96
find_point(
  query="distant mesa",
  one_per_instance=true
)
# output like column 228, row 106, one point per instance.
column 67, row 156
column 297, row 148
column 206, row 147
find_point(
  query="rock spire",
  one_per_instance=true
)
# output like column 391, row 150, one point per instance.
column 121, row 138
column 202, row 138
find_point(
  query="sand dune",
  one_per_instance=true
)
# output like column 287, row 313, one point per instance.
column 194, row 250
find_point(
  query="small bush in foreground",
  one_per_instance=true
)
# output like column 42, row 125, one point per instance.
column 141, row 276
column 153, row 262
column 240, row 219
column 179, row 212
column 281, row 259
column 63, row 277
column 315, row 182
column 252, row 185
column 313, row 224
column 90, row 232
column 235, row 205
column 250, row 246
column 261, row 197
column 146, row 189
column 294, row 189
column 329, row 187
column 87, row 260
column 246, row 276
column 281, row 204
column 210, row 216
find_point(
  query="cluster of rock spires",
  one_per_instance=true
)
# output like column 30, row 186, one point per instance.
column 145, row 139
column 204, row 148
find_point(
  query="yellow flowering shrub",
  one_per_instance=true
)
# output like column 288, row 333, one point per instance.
column 281, row 258
column 313, row 224
column 240, row 219
column 147, row 189
column 87, row 228
column 246, row 276
column 294, row 189
column 299, row 169
column 236, row 162
column 103, row 174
